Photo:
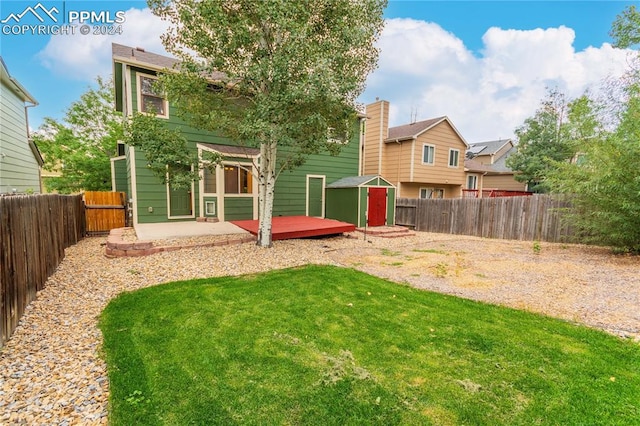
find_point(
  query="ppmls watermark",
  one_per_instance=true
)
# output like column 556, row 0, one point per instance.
column 58, row 20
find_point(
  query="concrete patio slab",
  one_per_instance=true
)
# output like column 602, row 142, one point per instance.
column 163, row 231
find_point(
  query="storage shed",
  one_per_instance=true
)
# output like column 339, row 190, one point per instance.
column 362, row 200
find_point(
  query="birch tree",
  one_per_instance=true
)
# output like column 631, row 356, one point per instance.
column 280, row 75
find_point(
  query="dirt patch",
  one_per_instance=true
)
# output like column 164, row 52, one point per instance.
column 584, row 284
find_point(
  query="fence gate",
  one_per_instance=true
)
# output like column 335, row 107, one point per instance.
column 104, row 211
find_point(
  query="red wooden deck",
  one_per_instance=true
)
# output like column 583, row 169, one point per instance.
column 287, row 227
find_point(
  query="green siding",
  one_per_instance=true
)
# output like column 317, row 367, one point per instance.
column 19, row 168
column 151, row 192
column 120, row 168
column 117, row 80
column 290, row 189
column 238, row 208
column 364, row 205
column 342, row 205
column 391, row 210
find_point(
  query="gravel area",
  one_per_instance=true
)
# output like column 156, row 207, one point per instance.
column 51, row 371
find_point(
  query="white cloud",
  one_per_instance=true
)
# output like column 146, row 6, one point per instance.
column 84, row 57
column 423, row 68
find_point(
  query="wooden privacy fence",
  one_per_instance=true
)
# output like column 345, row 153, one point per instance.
column 529, row 218
column 104, row 211
column 34, row 231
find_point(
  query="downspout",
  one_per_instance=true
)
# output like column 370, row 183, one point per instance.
column 380, row 139
column 361, row 146
column 39, row 158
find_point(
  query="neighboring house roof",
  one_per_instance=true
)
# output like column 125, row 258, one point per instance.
column 489, row 147
column 413, row 130
column 355, row 181
column 15, row 85
column 24, row 96
column 498, row 167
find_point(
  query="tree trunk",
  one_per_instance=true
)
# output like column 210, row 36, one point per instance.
column 266, row 182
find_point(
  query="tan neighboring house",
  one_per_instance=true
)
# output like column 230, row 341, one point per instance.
column 424, row 159
column 487, row 171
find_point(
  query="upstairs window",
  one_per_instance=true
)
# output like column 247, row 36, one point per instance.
column 152, row 100
column 454, row 157
column 428, row 154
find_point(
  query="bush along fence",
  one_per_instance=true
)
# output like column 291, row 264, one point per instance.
column 34, row 231
column 529, row 218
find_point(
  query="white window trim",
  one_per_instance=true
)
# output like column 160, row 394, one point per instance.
column 432, row 189
column 475, row 176
column 139, row 76
column 457, row 165
column 434, row 154
column 215, row 172
column 246, row 166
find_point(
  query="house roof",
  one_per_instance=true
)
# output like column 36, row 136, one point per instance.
column 137, row 56
column 355, row 181
column 413, row 130
column 498, row 167
column 488, row 147
column 15, row 84
column 230, row 150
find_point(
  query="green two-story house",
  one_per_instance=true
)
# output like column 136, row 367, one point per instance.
column 231, row 191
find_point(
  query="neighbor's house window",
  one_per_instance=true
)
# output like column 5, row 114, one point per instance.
column 237, row 180
column 151, row 98
column 454, row 156
column 428, row 154
column 431, row 193
column 472, row 182
column 209, row 180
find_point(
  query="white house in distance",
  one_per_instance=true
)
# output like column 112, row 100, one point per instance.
column 20, row 160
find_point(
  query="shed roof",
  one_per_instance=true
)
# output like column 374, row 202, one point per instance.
column 355, row 181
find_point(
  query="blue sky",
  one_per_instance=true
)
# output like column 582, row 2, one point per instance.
column 485, row 64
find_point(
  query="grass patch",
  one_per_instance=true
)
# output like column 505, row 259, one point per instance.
column 326, row 345
column 387, row 252
column 434, row 251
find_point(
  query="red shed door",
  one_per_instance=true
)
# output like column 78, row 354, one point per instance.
column 377, row 206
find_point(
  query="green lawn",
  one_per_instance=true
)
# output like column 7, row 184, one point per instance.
column 332, row 346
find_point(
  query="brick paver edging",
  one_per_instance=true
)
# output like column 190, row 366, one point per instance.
column 116, row 247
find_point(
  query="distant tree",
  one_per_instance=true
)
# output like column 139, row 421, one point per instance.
column 605, row 184
column 542, row 141
column 279, row 75
column 626, row 28
column 79, row 147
